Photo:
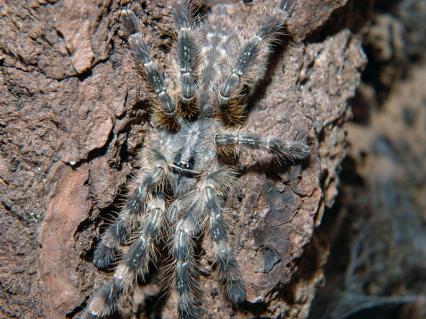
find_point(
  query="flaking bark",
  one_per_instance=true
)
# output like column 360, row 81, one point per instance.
column 73, row 118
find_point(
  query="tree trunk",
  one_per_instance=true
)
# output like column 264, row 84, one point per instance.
column 73, row 119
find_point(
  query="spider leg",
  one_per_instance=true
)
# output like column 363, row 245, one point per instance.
column 287, row 5
column 249, row 68
column 214, row 56
column 288, row 151
column 187, row 52
column 215, row 187
column 135, row 262
column 164, row 105
column 129, row 218
column 185, row 268
column 207, row 202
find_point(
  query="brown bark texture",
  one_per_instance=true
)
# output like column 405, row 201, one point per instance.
column 377, row 229
column 73, row 118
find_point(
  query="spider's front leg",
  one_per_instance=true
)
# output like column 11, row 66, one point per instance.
column 185, row 268
column 284, row 151
column 135, row 262
column 206, row 204
column 129, row 218
column 214, row 191
column 146, row 198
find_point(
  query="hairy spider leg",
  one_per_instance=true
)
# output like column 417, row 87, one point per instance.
column 188, row 227
column 284, row 152
column 187, row 58
column 228, row 270
column 214, row 56
column 287, row 5
column 165, row 113
column 129, row 218
column 185, row 267
column 136, row 262
column 248, row 69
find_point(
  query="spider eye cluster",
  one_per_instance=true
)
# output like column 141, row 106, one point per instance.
column 185, row 164
column 184, row 158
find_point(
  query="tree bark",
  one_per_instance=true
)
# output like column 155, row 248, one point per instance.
column 73, row 119
column 377, row 233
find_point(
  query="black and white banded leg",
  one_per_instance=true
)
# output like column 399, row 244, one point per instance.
column 135, row 262
column 248, row 69
column 129, row 218
column 228, row 270
column 187, row 53
column 165, row 107
column 186, row 230
column 284, row 151
column 214, row 55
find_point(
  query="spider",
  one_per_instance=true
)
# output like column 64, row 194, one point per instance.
column 190, row 164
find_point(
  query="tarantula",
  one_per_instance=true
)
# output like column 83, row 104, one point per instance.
column 186, row 174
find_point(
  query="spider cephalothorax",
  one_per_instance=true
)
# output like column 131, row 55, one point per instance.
column 186, row 174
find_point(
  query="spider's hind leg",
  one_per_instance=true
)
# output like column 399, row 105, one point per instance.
column 165, row 112
column 187, row 54
column 249, row 67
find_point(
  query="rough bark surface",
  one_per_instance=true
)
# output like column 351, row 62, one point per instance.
column 73, row 119
column 377, row 230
